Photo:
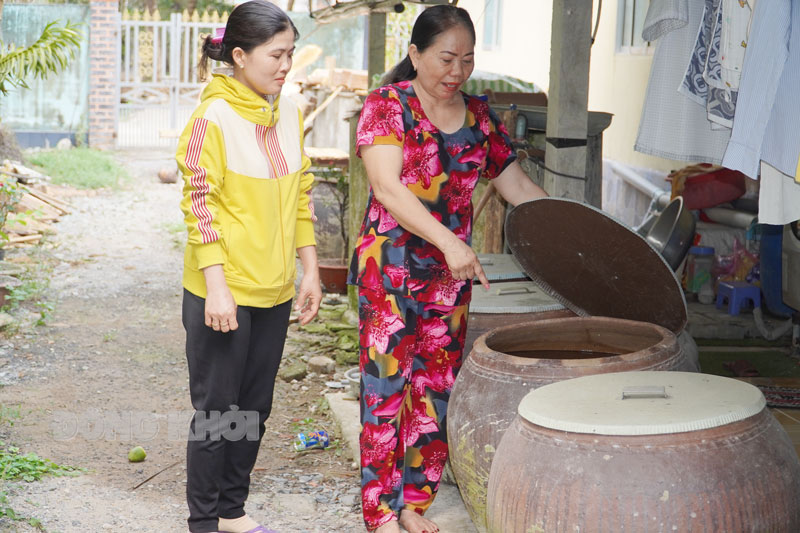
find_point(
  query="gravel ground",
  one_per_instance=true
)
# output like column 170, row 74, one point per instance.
column 108, row 372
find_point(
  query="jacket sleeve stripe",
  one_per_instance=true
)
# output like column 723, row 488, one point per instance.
column 199, row 182
column 275, row 151
column 261, row 140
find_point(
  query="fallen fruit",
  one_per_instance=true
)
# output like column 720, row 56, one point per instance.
column 137, row 454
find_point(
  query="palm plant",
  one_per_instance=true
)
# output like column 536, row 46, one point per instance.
column 50, row 54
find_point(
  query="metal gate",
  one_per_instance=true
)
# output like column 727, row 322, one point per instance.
column 158, row 85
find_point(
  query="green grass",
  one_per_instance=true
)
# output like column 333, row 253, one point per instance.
column 177, row 233
column 32, row 293
column 306, row 424
column 769, row 363
column 29, row 467
column 6, row 511
column 83, row 168
column 15, row 466
column 8, row 415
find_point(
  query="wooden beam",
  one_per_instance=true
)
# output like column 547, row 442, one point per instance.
column 568, row 98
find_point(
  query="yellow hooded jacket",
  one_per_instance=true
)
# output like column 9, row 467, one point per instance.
column 246, row 194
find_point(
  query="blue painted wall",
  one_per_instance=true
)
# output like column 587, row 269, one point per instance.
column 58, row 106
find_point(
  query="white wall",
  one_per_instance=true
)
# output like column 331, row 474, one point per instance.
column 524, row 50
column 618, row 80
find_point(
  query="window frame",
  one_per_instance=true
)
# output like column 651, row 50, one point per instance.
column 630, row 22
column 495, row 8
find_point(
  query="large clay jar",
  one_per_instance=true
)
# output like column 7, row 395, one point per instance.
column 507, row 363
column 509, row 302
column 645, row 451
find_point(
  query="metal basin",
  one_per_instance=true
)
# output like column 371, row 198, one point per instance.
column 672, row 233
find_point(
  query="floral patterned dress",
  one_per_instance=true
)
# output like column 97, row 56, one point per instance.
column 412, row 312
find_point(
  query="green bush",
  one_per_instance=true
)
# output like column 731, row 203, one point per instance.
column 84, row 168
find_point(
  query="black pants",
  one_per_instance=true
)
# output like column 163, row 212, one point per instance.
column 231, row 379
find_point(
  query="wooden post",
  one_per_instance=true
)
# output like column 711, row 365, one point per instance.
column 357, row 176
column 567, row 113
column 376, row 49
column 357, row 201
column 495, row 218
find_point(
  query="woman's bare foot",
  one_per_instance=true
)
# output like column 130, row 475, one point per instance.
column 416, row 523
column 389, row 527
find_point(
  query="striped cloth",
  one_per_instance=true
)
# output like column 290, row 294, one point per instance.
column 768, row 109
column 480, row 80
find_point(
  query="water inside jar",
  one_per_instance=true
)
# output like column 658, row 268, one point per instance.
column 561, row 354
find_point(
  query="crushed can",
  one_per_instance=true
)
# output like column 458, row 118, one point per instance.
column 310, row 440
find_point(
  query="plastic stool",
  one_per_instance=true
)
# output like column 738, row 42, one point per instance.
column 736, row 293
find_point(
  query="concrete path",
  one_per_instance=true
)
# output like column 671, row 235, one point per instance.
column 448, row 509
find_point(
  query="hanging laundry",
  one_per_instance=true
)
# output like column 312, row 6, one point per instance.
column 778, row 197
column 704, row 82
column 797, row 172
column 673, row 126
column 737, row 16
column 694, row 85
column 768, row 111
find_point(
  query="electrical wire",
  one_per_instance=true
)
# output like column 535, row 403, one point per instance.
column 540, row 163
column 597, row 20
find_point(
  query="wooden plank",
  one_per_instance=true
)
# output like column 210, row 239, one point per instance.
column 495, row 215
column 24, row 238
column 325, row 156
column 44, row 210
column 29, row 227
column 62, row 206
column 331, row 97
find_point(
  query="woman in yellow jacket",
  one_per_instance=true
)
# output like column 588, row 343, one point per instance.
column 248, row 210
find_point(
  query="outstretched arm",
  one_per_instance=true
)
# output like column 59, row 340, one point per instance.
column 384, row 164
column 516, row 187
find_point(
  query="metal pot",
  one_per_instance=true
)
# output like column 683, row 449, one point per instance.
column 672, row 233
column 353, row 379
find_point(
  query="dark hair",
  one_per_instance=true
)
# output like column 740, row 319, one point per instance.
column 249, row 25
column 431, row 22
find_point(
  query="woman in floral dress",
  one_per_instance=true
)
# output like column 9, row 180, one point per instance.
column 424, row 144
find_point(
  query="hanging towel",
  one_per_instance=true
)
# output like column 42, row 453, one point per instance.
column 703, row 81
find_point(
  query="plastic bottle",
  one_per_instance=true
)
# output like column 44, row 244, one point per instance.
column 310, row 440
column 699, row 282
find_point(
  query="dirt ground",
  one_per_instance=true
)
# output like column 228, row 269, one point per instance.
column 108, row 372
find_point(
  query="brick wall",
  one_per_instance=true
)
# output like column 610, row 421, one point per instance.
column 103, row 73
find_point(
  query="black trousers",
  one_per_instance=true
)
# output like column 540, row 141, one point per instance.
column 231, row 380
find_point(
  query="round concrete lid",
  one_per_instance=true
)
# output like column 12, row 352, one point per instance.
column 512, row 297
column 501, row 267
column 593, row 264
column 641, row 403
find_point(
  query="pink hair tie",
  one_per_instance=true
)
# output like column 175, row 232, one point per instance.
column 217, row 38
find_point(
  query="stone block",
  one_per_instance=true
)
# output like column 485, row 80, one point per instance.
column 297, row 370
column 321, row 364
